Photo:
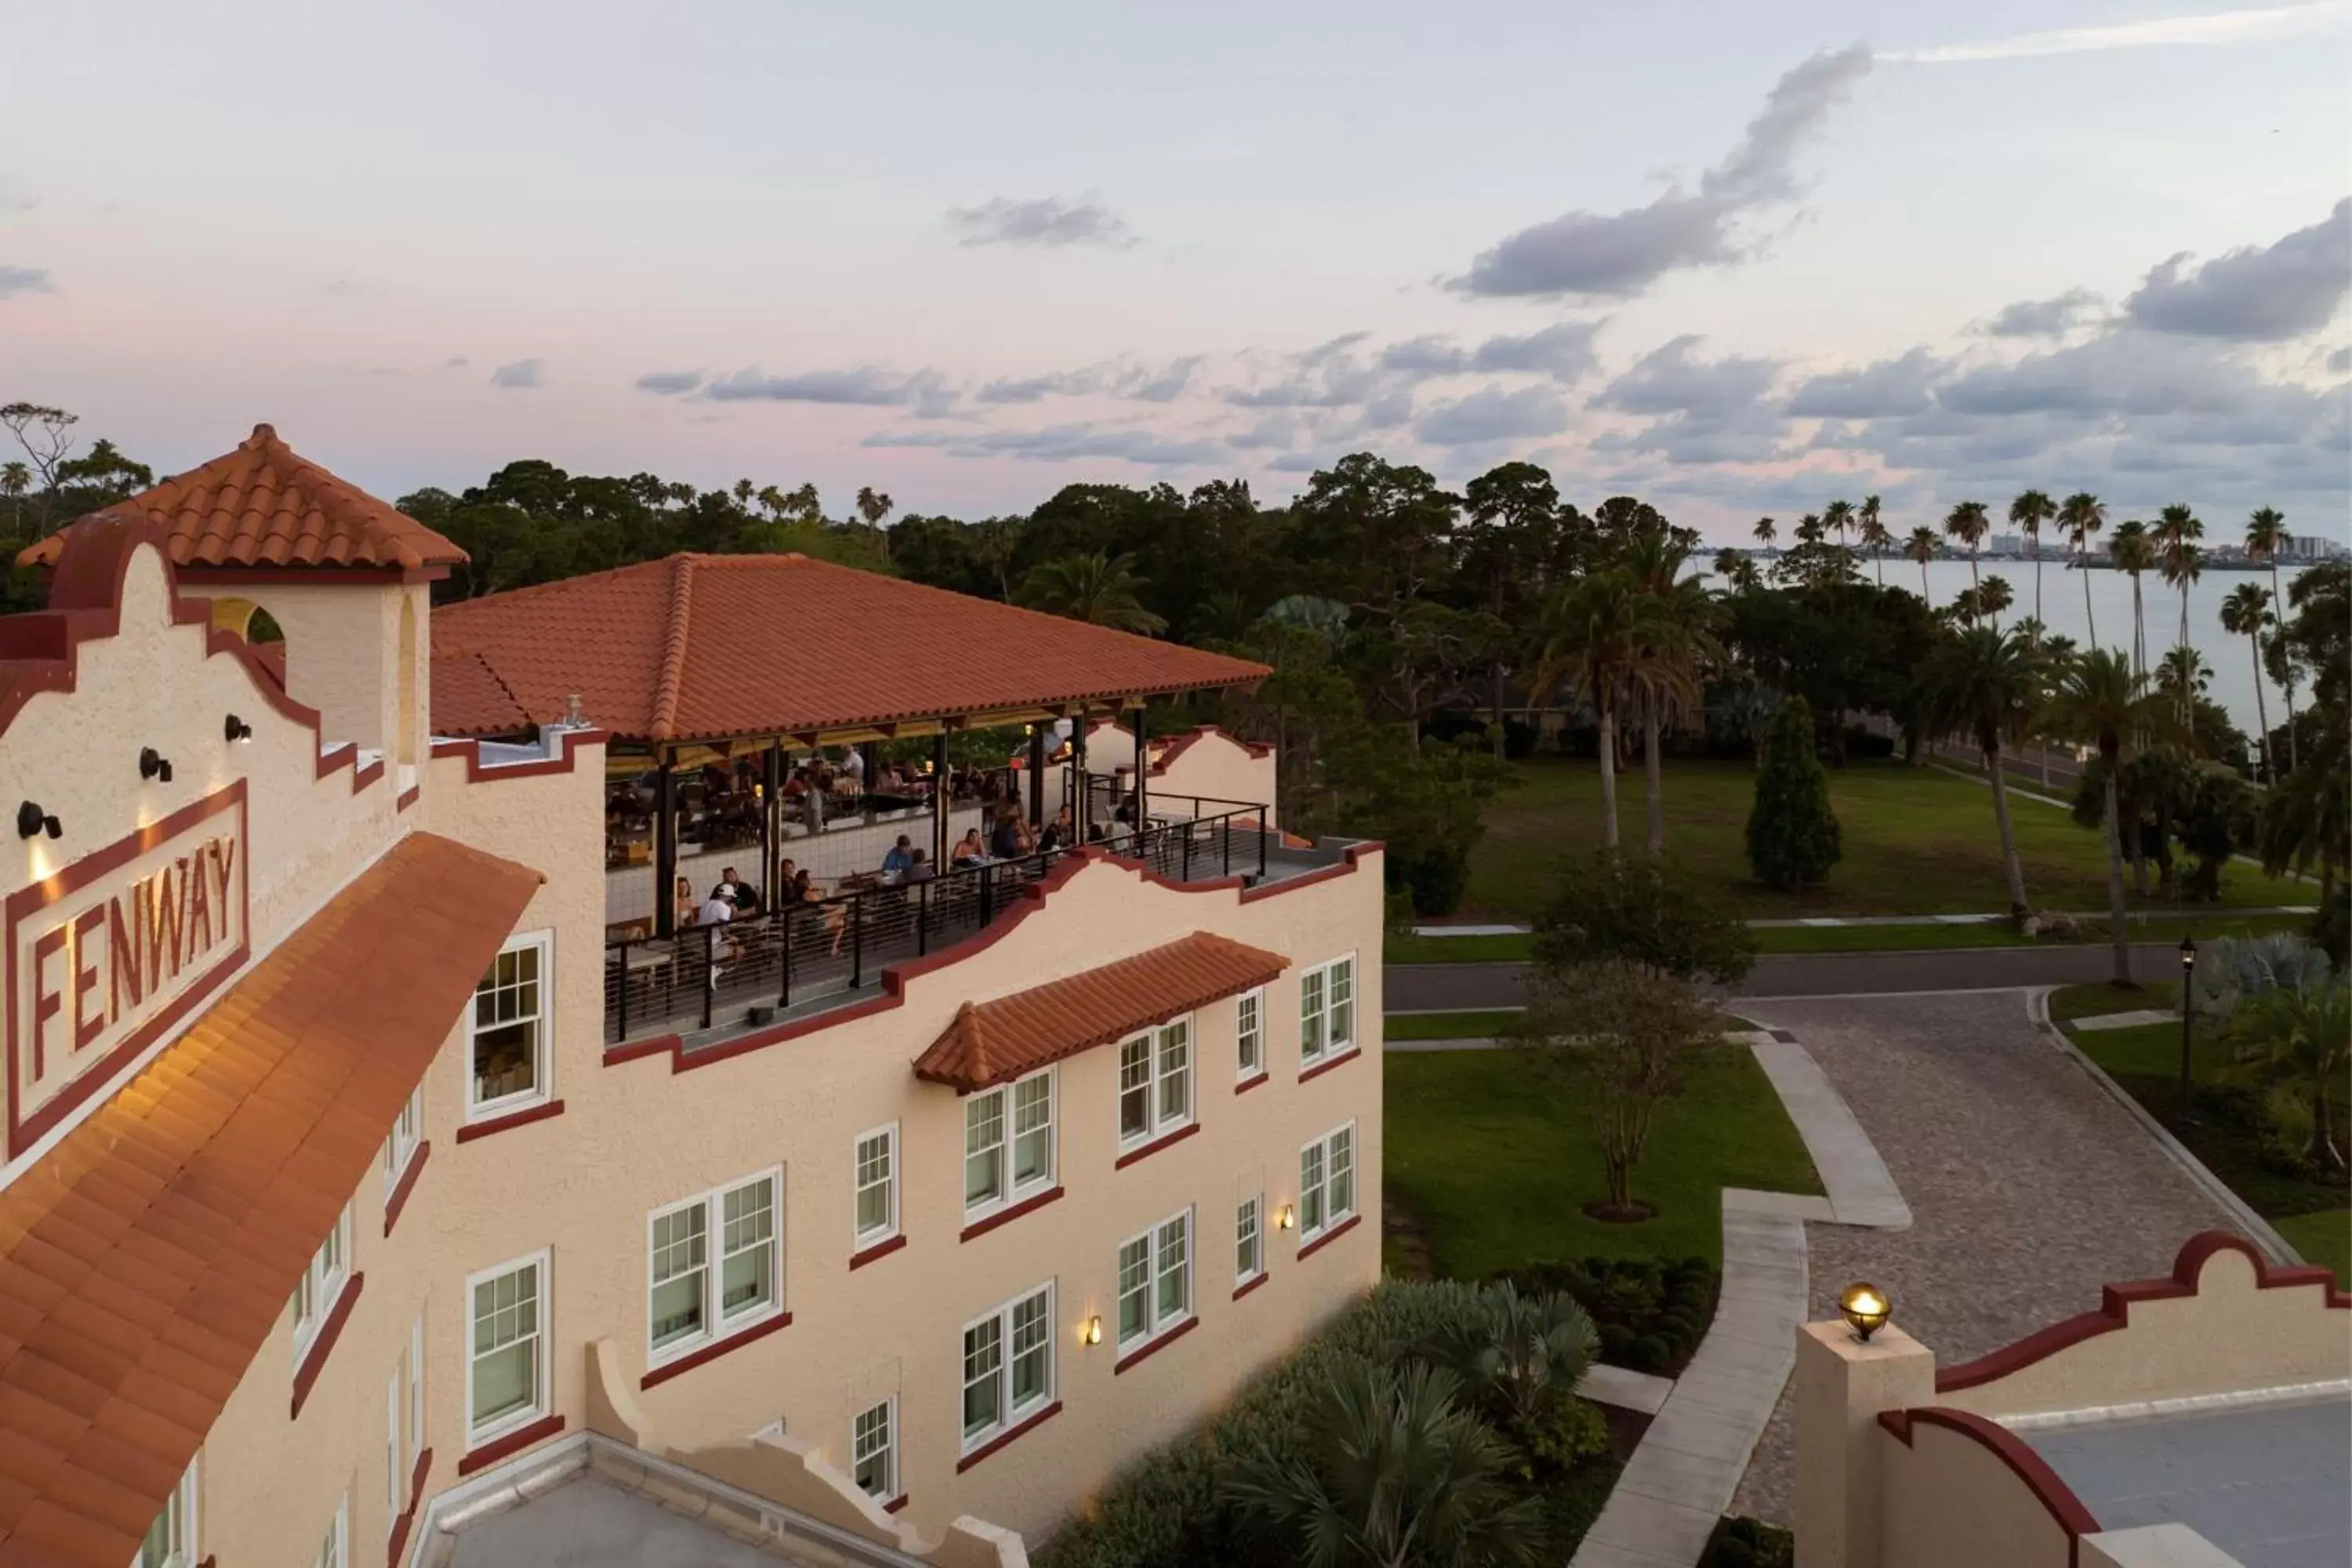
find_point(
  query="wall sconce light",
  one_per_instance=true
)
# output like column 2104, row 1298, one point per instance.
column 1284, row 1218
column 1090, row 1331
column 154, row 764
column 32, row 820
column 237, row 729
column 1865, row 1308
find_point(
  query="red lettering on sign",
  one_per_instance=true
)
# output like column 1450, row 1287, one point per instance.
column 163, row 926
column 224, row 867
column 123, row 975
column 46, row 1001
column 200, row 905
column 87, row 1029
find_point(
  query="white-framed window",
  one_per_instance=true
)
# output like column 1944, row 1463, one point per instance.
column 1249, row 1241
column 1327, row 1010
column 874, row 1450
column 334, row 1550
column 170, row 1540
column 506, row 1346
column 1155, row 1281
column 714, row 1264
column 392, row 1500
column 508, row 1064
column 406, row 1134
column 1008, row 1365
column 1327, row 1181
column 322, row 1282
column 1155, row 1082
column 1249, row 1034
column 415, row 1389
column 877, row 1180
column 1008, row 1142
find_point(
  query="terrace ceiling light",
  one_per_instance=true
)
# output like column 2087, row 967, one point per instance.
column 153, row 764
column 31, row 820
column 1865, row 1308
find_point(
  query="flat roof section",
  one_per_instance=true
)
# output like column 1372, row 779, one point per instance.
column 587, row 1522
column 2269, row 1484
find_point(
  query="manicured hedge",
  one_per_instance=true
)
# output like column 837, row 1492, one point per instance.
column 1651, row 1313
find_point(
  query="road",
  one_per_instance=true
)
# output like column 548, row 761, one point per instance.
column 1431, row 987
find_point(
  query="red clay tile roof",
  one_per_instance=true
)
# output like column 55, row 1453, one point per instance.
column 146, row 1258
column 995, row 1042
column 710, row 646
column 263, row 505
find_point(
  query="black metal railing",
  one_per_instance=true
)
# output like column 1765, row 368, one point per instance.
column 755, row 966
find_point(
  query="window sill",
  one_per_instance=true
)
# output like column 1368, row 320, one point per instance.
column 1256, row 1080
column 523, row 1117
column 660, row 1375
column 1152, row 1347
column 397, row 1199
column 314, row 1359
column 1144, row 1150
column 1021, row 1428
column 1008, row 1215
column 1330, row 1235
column 1328, row 1063
column 407, row 1521
column 510, row 1443
column 1250, row 1284
column 894, row 1504
column 879, row 1250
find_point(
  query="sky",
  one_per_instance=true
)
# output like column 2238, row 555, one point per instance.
column 1735, row 259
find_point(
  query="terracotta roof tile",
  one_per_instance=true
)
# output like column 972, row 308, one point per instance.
column 708, row 647
column 995, row 1042
column 261, row 505
column 133, row 1332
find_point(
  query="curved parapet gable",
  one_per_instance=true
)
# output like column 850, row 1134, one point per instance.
column 1963, row 1489
column 2226, row 1321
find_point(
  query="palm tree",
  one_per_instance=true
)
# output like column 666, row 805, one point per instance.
column 16, row 479
column 2029, row 512
column 2266, row 540
column 2102, row 703
column 1520, row 1354
column 1674, row 641
column 1097, row 588
column 1988, row 684
column 1839, row 515
column 1592, row 632
column 2133, row 552
column 2306, row 824
column 2244, row 613
column 1734, row 569
column 2183, row 675
column 1967, row 523
column 994, row 544
column 1766, row 532
column 2176, row 532
column 2082, row 515
column 1809, row 529
column 1922, row 549
column 873, row 505
column 2298, row 1035
column 1391, row 1473
column 1993, row 597
column 1874, row 536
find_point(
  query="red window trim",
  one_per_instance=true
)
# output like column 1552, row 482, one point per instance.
column 512, row 1443
column 407, row 1519
column 523, row 1117
column 1151, row 1347
column 714, row 1350
column 879, row 1250
column 1255, row 1280
column 1145, row 1151
column 406, row 1185
column 1330, row 1236
column 894, row 1504
column 1328, row 1063
column 1254, row 1081
column 314, row 1358
column 1010, row 1433
column 1007, row 1215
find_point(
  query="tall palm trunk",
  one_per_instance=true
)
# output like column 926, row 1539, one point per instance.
column 2117, row 923
column 2089, row 618
column 1653, row 781
column 2262, row 710
column 2139, row 630
column 1925, row 593
column 2018, row 908
column 1608, row 773
column 2294, row 759
column 2037, row 583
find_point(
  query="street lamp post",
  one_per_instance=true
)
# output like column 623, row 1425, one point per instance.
column 2187, row 1004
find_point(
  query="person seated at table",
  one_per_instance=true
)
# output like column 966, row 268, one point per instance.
column 968, row 848
column 740, row 894
column 716, row 911
column 1012, row 838
column 854, row 765
column 898, row 859
column 919, row 867
column 682, row 904
column 1059, row 834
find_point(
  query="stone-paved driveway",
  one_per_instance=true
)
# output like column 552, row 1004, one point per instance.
column 2028, row 1187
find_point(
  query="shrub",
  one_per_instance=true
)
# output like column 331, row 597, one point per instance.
column 1792, row 834
column 1751, row 1543
column 1651, row 1354
column 1630, row 1299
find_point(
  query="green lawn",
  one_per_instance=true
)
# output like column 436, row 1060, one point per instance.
column 2145, row 1062
column 2069, row 1002
column 1494, row 1161
column 1916, row 841
column 1400, row 948
column 1468, row 1026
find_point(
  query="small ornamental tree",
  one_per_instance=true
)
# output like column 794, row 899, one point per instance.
column 1792, row 834
column 1653, row 914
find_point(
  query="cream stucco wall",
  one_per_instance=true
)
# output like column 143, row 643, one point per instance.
column 1948, row 1502
column 1215, row 765
column 346, row 655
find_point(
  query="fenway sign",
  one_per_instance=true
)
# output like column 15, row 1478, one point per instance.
column 114, row 950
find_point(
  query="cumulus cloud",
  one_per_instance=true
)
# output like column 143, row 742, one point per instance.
column 1432, row 355
column 1044, row 221
column 2045, row 318
column 2255, row 294
column 1618, row 255
column 1061, row 444
column 1669, row 380
column 1562, row 351
column 1891, row 387
column 2339, row 361
column 522, row 376
column 1493, row 413
column 669, row 383
column 1142, row 382
column 23, row 280
column 866, row 386
column 2222, row 27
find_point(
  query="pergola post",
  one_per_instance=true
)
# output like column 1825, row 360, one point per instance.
column 939, row 801
column 666, row 845
column 772, row 818
column 1081, row 811
column 1142, row 790
column 1038, row 776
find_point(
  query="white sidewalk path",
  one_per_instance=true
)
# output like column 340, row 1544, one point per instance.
column 1681, row 1478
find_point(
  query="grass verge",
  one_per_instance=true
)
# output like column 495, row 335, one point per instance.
column 1924, row 938
column 1470, row 1025
column 1494, row 1159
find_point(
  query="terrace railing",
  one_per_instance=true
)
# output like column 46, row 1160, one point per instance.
column 757, row 966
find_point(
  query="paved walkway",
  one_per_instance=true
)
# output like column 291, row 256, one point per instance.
column 2030, row 1188
column 2132, row 1020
